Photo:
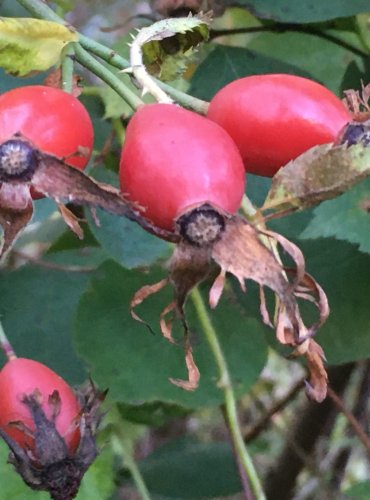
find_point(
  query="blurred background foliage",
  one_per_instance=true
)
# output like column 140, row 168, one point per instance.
column 65, row 302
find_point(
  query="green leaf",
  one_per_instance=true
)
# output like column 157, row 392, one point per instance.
column 155, row 413
column 291, row 11
column 225, row 64
column 344, row 273
column 188, row 469
column 288, row 47
column 359, row 491
column 136, row 365
column 98, row 482
column 36, row 309
column 126, row 242
column 122, row 239
column 28, row 45
column 168, row 44
column 345, row 218
column 12, row 485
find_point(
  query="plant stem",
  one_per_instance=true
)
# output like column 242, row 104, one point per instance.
column 5, row 345
column 139, row 70
column 96, row 67
column 67, row 68
column 40, row 10
column 225, row 384
column 132, row 466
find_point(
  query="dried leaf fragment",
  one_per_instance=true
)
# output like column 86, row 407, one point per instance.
column 319, row 174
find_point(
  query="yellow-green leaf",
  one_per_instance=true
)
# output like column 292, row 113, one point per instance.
column 28, row 45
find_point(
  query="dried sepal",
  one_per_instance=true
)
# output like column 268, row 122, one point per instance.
column 16, row 211
column 357, row 102
column 316, row 385
column 193, row 372
column 248, row 253
column 241, row 253
column 142, row 294
column 72, row 221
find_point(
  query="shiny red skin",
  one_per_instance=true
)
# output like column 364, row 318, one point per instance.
column 274, row 118
column 173, row 158
column 55, row 121
column 22, row 376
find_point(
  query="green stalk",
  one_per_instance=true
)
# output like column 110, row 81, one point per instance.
column 5, row 345
column 96, row 67
column 225, row 384
column 40, row 10
column 67, row 67
column 132, row 466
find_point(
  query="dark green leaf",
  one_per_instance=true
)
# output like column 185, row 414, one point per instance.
column 345, row 218
column 225, row 64
column 325, row 61
column 156, row 413
column 126, row 242
column 136, row 365
column 37, row 306
column 359, row 491
column 344, row 273
column 122, row 239
column 189, row 469
column 291, row 11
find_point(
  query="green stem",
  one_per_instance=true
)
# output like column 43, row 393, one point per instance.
column 5, row 345
column 132, row 466
column 225, row 384
column 42, row 11
column 67, row 67
column 96, row 67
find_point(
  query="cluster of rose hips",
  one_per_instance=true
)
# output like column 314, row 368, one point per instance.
column 182, row 177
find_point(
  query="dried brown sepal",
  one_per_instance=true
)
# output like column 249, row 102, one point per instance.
column 54, row 79
column 316, row 386
column 193, row 372
column 241, row 253
column 247, row 252
column 50, row 467
column 64, row 183
column 142, row 294
column 72, row 221
column 357, row 102
column 16, row 211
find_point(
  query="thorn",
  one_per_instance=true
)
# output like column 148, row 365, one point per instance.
column 127, row 70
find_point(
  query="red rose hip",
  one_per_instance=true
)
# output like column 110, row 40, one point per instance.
column 274, row 118
column 21, row 377
column 174, row 159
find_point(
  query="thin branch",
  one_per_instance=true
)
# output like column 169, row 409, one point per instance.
column 52, row 265
column 279, row 405
column 352, row 420
column 282, row 28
